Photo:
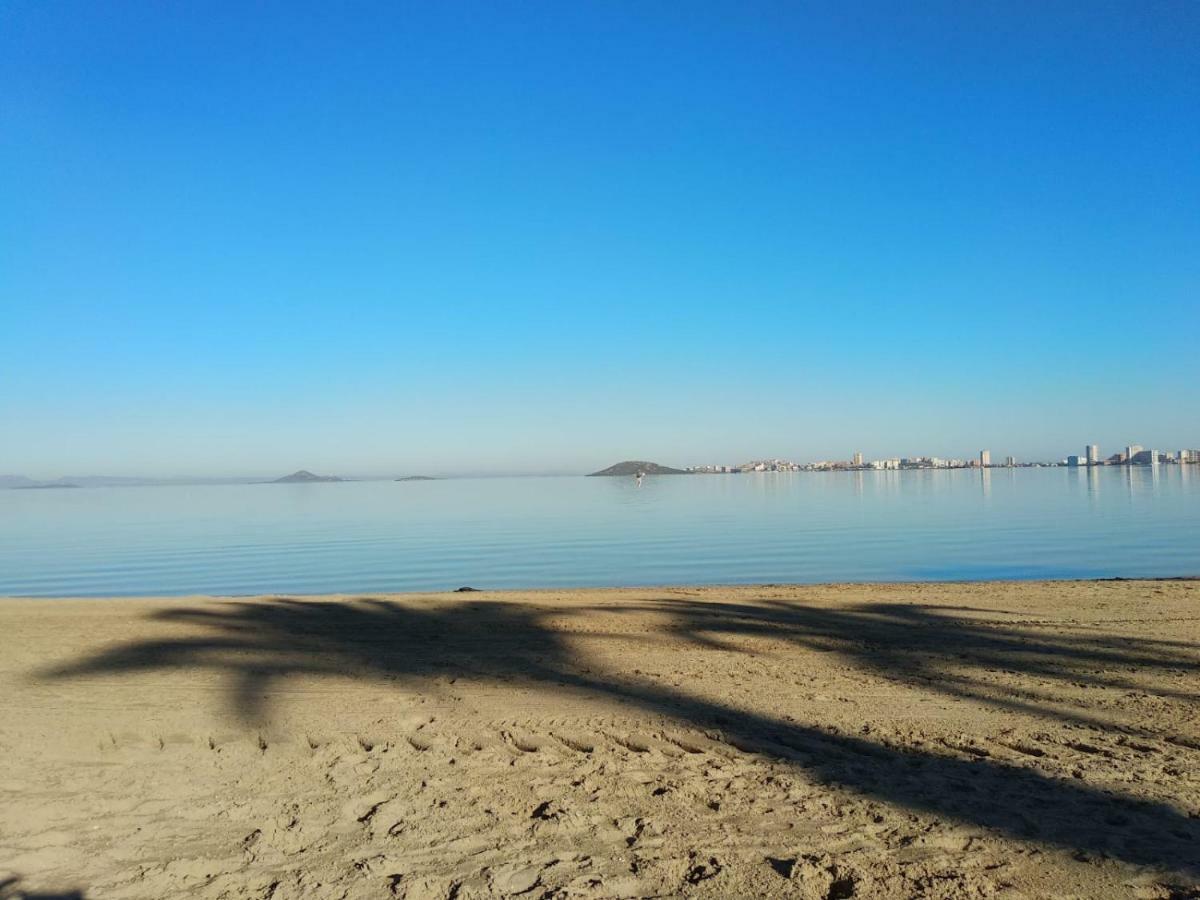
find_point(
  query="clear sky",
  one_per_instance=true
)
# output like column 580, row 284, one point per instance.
column 451, row 237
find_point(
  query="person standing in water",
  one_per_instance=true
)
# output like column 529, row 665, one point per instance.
column 638, row 477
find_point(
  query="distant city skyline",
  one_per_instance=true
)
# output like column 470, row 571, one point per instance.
column 474, row 240
column 855, row 460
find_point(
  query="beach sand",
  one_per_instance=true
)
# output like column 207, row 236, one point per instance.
column 943, row 740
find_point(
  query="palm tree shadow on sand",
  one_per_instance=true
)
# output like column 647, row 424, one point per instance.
column 259, row 643
column 10, row 889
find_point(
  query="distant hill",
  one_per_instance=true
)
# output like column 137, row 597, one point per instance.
column 305, row 477
column 417, row 478
column 633, row 466
column 13, row 481
column 21, row 483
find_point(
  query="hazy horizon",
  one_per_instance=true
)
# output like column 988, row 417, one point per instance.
column 462, row 238
column 433, row 470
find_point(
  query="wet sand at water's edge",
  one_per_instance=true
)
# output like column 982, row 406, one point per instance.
column 949, row 740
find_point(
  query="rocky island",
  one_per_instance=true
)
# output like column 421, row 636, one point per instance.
column 305, row 477
column 633, row 466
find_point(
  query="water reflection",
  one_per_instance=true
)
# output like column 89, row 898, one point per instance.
column 550, row 532
column 1093, row 486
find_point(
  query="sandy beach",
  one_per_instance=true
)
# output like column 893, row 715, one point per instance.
column 945, row 740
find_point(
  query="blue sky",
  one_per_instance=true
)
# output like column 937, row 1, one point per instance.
column 452, row 237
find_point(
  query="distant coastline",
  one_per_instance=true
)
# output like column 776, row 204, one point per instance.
column 1133, row 456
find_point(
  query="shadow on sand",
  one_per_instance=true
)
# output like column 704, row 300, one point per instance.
column 953, row 651
column 10, row 889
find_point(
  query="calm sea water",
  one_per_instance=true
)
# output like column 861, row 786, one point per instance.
column 573, row 531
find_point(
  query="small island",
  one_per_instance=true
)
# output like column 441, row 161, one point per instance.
column 305, row 477
column 633, row 466
column 416, row 478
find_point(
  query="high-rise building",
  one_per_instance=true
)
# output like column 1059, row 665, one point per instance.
column 1093, row 455
column 1130, row 452
column 1010, row 461
column 858, row 459
column 1075, row 461
column 985, row 458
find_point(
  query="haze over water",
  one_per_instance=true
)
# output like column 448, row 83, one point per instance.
column 574, row 531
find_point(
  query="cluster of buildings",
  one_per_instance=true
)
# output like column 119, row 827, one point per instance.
column 1134, row 455
column 855, row 463
column 766, row 465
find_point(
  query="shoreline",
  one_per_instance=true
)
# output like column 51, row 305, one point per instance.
column 1000, row 738
column 468, row 590
column 615, row 589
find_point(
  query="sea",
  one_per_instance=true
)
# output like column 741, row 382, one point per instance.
column 561, row 532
